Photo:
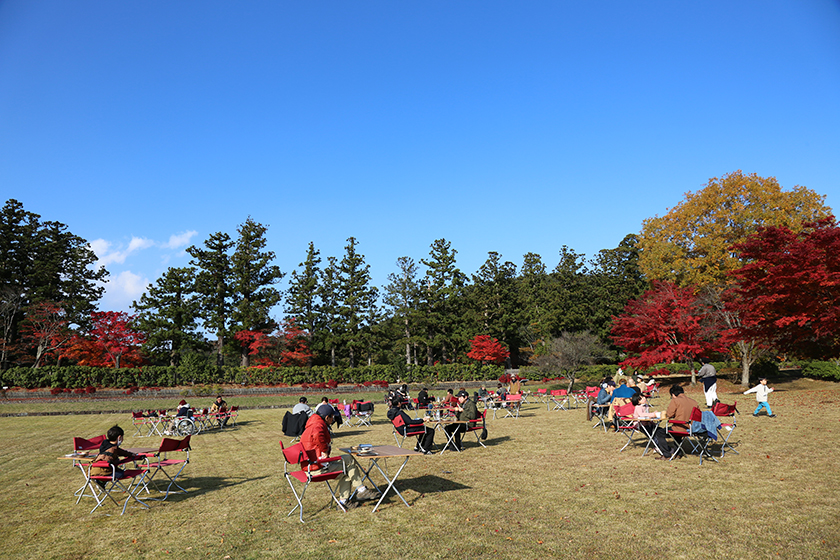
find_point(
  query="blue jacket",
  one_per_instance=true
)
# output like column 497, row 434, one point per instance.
column 708, row 424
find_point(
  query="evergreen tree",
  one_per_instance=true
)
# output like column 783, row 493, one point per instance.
column 357, row 308
column 533, row 303
column 168, row 314
column 401, row 295
column 302, row 302
column 442, row 290
column 213, row 285
column 253, row 278
column 492, row 299
column 328, row 335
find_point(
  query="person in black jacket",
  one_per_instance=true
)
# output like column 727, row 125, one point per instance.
column 424, row 442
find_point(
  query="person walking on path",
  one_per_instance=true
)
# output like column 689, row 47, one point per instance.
column 761, row 392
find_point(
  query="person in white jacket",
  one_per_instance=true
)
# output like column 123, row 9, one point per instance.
column 761, row 391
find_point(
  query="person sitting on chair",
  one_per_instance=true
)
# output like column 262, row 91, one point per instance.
column 302, row 406
column 316, row 437
column 424, row 442
column 423, row 399
column 679, row 409
column 466, row 410
column 110, row 451
column 450, row 399
column 219, row 407
column 183, row 411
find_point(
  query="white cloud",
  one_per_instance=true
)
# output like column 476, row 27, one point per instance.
column 101, row 248
column 179, row 240
column 125, row 288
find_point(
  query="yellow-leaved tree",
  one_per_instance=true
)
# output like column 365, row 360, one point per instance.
column 691, row 244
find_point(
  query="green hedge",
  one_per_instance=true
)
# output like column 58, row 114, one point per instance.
column 72, row 377
column 821, row 370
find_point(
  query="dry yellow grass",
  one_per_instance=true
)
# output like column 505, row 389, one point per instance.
column 547, row 486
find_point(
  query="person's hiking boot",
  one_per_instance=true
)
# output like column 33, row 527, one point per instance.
column 772, row 416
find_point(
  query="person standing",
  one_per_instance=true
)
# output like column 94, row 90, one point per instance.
column 708, row 375
column 761, row 392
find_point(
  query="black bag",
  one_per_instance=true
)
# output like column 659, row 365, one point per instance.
column 483, row 433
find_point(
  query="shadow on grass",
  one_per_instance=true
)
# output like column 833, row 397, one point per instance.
column 425, row 484
column 196, row 486
column 489, row 442
column 345, row 432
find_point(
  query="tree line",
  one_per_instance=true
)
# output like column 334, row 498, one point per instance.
column 687, row 285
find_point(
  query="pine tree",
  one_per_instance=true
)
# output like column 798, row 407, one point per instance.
column 302, row 302
column 253, row 278
column 401, row 295
column 327, row 336
column 213, row 285
column 357, row 308
column 443, row 287
column 168, row 314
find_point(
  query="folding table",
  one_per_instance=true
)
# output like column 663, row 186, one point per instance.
column 377, row 453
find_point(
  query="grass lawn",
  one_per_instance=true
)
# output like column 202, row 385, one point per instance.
column 547, row 486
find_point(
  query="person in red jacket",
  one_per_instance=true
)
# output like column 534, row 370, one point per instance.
column 316, row 437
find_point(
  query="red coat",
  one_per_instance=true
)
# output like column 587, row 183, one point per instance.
column 316, row 436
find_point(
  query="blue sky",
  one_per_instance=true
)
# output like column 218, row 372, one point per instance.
column 501, row 126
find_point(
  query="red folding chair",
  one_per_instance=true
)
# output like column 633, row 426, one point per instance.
column 477, row 426
column 79, row 445
column 161, row 462
column 361, row 413
column 726, row 415
column 560, row 398
column 513, row 403
column 406, row 430
column 310, row 471
column 102, row 486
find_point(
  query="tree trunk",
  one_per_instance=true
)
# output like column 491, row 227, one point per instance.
column 745, row 369
column 246, row 359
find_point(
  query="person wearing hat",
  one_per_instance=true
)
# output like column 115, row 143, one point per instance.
column 426, row 441
column 317, row 437
column 465, row 410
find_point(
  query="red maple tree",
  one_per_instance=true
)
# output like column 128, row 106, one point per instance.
column 113, row 341
column 288, row 346
column 487, row 349
column 666, row 324
column 789, row 288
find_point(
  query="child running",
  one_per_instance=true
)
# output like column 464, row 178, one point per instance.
column 761, row 391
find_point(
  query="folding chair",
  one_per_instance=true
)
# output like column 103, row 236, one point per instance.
column 140, row 424
column 477, row 426
column 310, row 471
column 702, row 438
column 599, row 413
column 682, row 430
column 406, row 430
column 512, row 405
column 82, row 444
column 623, row 424
column 101, row 486
column 159, row 463
column 233, row 414
column 542, row 395
column 726, row 415
column 362, row 412
column 558, row 397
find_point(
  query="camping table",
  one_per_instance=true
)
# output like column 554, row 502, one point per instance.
column 647, row 431
column 377, row 453
column 82, row 458
column 440, row 424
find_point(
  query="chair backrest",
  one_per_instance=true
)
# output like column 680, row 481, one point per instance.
column 696, row 415
column 298, row 455
column 334, row 401
column 137, row 415
column 366, row 406
column 721, row 409
column 514, row 397
column 82, row 444
column 169, row 444
column 557, row 393
column 542, row 391
column 398, row 421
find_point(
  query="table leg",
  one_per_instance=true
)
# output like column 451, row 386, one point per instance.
column 390, row 482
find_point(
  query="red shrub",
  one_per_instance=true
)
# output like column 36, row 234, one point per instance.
column 56, row 391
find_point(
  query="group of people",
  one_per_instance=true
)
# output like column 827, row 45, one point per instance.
column 183, row 410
